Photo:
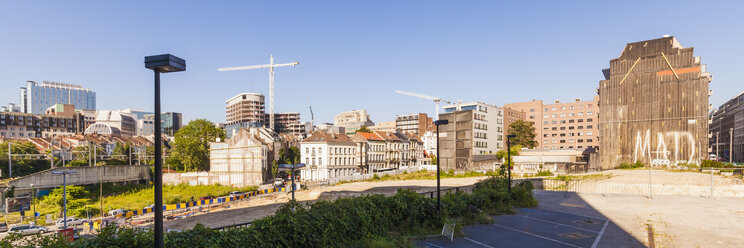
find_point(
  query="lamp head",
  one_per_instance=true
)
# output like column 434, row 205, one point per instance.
column 165, row 63
column 441, row 122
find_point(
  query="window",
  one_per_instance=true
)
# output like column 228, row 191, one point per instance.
column 563, row 115
column 563, row 108
column 554, row 109
column 580, row 114
column 320, row 150
column 580, row 120
column 571, row 121
column 546, row 109
column 589, row 113
column 581, row 141
column 571, row 128
column 554, row 116
column 589, row 140
column 570, row 114
column 546, row 116
column 545, row 122
column 589, row 127
column 554, row 128
column 532, row 116
column 589, row 120
column 563, row 128
column 313, row 162
column 320, row 160
column 555, row 122
column 581, row 127
column 588, row 133
column 563, row 135
column 532, row 110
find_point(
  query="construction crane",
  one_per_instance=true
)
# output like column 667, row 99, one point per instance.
column 312, row 116
column 435, row 99
column 270, row 66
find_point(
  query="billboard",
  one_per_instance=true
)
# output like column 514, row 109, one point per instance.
column 17, row 204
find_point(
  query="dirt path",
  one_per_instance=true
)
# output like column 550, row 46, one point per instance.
column 262, row 206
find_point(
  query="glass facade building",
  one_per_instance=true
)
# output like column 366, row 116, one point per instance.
column 37, row 97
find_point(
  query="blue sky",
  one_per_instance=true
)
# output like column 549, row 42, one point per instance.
column 352, row 54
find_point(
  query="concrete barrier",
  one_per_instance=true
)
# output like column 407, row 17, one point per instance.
column 85, row 175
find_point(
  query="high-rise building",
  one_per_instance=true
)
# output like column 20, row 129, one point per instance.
column 413, row 123
column 353, row 120
column 37, row 97
column 487, row 126
column 654, row 105
column 244, row 110
column 727, row 130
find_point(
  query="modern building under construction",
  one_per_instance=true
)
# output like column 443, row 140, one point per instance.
column 654, row 105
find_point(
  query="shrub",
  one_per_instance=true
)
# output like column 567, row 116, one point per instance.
column 625, row 165
column 544, row 173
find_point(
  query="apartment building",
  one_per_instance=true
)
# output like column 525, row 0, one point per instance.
column 384, row 126
column 510, row 116
column 23, row 125
column 371, row 151
column 413, row 123
column 563, row 125
column 487, row 128
column 289, row 122
column 328, row 155
column 244, row 110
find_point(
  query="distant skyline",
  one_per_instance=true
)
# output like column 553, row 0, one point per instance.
column 352, row 55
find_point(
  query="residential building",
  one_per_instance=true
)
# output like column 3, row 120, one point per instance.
column 114, row 118
column 328, row 155
column 68, row 110
column 371, row 151
column 23, row 125
column 353, row 120
column 289, row 122
column 89, row 116
column 37, row 97
column 654, row 105
column 429, row 140
column 244, row 110
column 510, row 116
column 727, row 129
column 413, row 123
column 487, row 126
column 384, row 126
column 457, row 140
column 394, row 148
column 563, row 125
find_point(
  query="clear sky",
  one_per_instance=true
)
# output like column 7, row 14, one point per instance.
column 352, row 54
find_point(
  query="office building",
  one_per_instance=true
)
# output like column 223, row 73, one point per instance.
column 170, row 123
column 37, row 97
column 413, row 123
column 727, row 131
column 23, row 125
column 353, row 120
column 654, row 105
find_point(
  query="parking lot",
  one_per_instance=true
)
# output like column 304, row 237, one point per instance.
column 529, row 228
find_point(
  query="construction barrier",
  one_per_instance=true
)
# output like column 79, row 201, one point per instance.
column 202, row 202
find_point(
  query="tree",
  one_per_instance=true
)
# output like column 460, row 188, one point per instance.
column 434, row 159
column 525, row 132
column 502, row 155
column 363, row 129
column 22, row 165
column 191, row 145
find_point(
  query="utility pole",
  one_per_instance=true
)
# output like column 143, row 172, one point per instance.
column 64, row 192
column 130, row 155
column 731, row 145
column 270, row 66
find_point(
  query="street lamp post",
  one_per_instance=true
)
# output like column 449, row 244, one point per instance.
column 33, row 196
column 292, row 168
column 64, row 193
column 439, row 161
column 508, row 159
column 160, row 63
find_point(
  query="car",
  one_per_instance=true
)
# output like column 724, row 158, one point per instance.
column 71, row 221
column 3, row 227
column 278, row 183
column 150, row 206
column 236, row 193
column 117, row 212
column 206, row 197
column 27, row 229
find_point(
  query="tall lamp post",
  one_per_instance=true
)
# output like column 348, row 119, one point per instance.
column 508, row 158
column 292, row 168
column 163, row 63
column 64, row 193
column 33, row 196
column 439, row 161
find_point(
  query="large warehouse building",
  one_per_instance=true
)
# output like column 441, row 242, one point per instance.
column 654, row 105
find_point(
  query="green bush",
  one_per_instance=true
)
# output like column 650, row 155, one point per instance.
column 627, row 166
column 346, row 222
column 544, row 173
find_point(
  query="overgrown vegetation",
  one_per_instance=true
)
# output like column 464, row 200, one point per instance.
column 426, row 175
column 582, row 177
column 629, row 166
column 366, row 221
column 544, row 173
column 716, row 164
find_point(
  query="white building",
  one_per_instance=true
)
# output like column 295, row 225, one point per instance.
column 371, row 151
column 114, row 118
column 488, row 126
column 242, row 160
column 430, row 142
column 328, row 155
column 353, row 120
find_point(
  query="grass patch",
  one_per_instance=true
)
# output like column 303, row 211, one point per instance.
column 426, row 175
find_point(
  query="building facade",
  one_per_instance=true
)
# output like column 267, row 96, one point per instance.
column 384, row 126
column 37, row 97
column 353, row 120
column 371, row 151
column 533, row 111
column 289, row 122
column 242, row 160
column 726, row 131
column 328, row 155
column 487, row 129
column 654, row 105
column 114, row 118
column 510, row 116
column 23, row 125
column 244, row 110
column 170, row 123
column 413, row 123
column 562, row 125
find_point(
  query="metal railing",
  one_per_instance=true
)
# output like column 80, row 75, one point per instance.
column 432, row 194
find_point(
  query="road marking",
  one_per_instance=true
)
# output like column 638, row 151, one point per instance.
column 556, row 223
column 601, row 232
column 471, row 240
column 550, row 210
column 532, row 234
column 433, row 245
column 572, row 205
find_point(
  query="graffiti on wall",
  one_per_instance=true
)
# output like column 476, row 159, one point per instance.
column 668, row 147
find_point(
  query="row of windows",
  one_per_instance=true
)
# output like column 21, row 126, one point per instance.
column 336, row 150
column 564, row 141
column 567, row 134
column 336, row 161
column 567, row 115
column 565, row 108
column 569, row 128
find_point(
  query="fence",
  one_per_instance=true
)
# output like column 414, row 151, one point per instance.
column 433, row 193
column 652, row 185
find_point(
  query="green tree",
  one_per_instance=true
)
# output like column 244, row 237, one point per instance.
column 514, row 152
column 191, row 145
column 363, row 129
column 525, row 132
column 434, row 160
column 274, row 168
column 22, row 165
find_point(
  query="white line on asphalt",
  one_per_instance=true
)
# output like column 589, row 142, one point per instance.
column 471, row 240
column 556, row 223
column 593, row 217
column 542, row 237
column 599, row 236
